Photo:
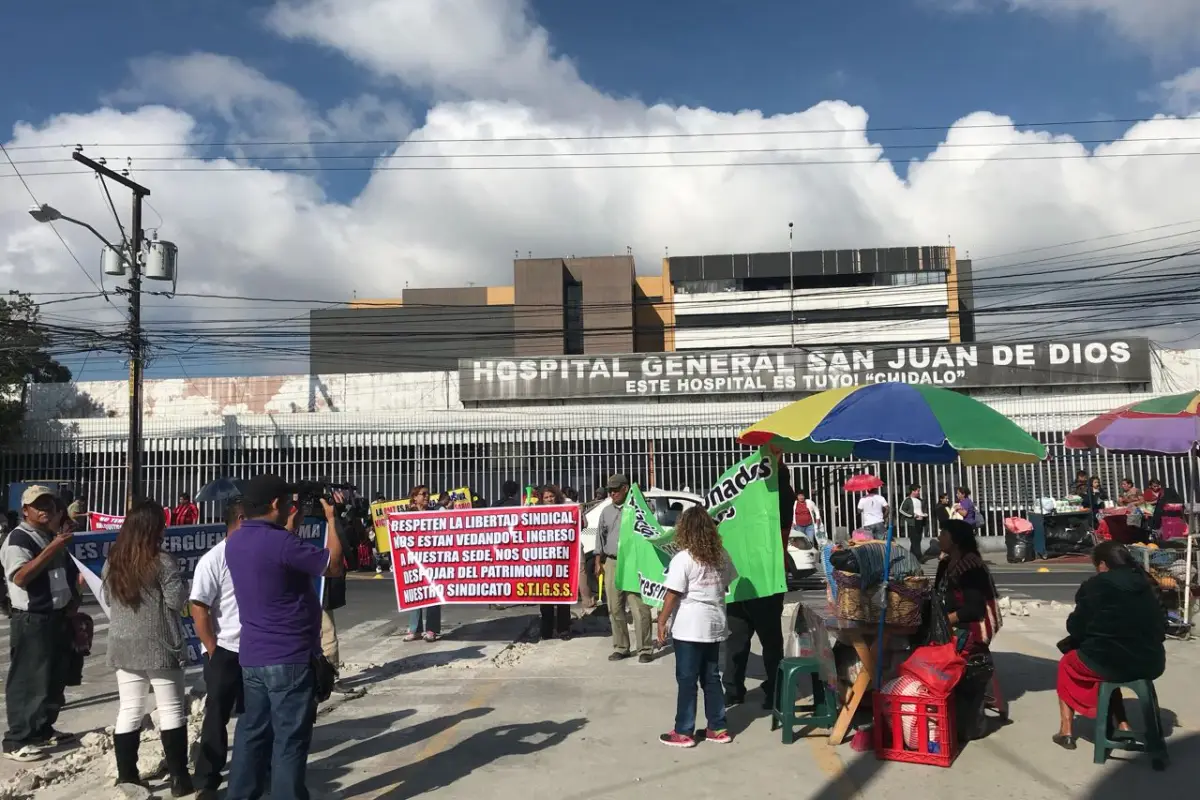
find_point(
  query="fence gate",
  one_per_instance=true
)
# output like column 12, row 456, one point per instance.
column 823, row 480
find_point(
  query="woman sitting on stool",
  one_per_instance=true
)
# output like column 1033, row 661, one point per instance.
column 1115, row 635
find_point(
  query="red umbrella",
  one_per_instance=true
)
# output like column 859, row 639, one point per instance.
column 863, row 483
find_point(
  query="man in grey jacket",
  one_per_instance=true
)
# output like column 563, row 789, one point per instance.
column 608, row 535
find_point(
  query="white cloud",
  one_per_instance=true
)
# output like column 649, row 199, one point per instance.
column 278, row 234
column 252, row 106
column 1149, row 23
column 1181, row 94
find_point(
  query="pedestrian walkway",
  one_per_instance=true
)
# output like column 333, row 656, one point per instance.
column 486, row 713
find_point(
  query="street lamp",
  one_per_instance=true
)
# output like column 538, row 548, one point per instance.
column 48, row 213
column 159, row 264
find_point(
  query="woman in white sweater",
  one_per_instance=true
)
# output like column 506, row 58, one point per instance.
column 146, row 646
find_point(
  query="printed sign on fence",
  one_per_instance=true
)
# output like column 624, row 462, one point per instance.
column 485, row 556
column 188, row 543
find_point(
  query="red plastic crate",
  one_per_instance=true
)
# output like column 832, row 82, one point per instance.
column 937, row 747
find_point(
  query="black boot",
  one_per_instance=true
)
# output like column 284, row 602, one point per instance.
column 125, row 747
column 175, row 753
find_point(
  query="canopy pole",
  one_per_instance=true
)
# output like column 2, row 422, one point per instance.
column 1191, row 534
column 887, row 566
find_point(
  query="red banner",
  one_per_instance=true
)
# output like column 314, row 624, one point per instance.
column 108, row 522
column 500, row 556
column 103, row 522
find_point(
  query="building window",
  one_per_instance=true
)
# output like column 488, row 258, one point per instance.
column 573, row 318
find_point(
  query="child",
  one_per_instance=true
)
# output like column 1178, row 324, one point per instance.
column 697, row 580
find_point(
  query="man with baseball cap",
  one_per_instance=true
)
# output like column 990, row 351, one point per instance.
column 608, row 533
column 274, row 575
column 41, row 587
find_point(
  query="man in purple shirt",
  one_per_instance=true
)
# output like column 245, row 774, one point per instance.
column 273, row 574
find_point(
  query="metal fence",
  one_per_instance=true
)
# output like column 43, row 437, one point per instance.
column 679, row 449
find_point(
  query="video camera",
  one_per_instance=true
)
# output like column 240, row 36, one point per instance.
column 310, row 493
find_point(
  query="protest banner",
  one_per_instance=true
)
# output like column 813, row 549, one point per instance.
column 381, row 509
column 744, row 502
column 485, row 556
column 188, row 543
column 108, row 522
column 103, row 522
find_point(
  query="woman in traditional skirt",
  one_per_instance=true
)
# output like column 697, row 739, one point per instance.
column 1115, row 635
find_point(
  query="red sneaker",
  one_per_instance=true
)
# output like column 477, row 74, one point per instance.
column 674, row 739
column 716, row 737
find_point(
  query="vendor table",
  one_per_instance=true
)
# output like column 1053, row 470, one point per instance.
column 859, row 636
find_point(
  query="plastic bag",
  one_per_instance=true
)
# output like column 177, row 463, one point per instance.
column 938, row 666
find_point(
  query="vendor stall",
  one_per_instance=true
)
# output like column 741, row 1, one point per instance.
column 892, row 422
column 1162, row 426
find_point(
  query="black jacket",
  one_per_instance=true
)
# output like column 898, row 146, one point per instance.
column 335, row 588
column 1117, row 626
column 1169, row 496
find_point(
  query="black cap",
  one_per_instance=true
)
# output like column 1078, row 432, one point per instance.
column 262, row 489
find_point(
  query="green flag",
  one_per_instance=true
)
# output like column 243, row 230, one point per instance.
column 745, row 504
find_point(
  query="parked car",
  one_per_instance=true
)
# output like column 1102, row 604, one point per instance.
column 668, row 506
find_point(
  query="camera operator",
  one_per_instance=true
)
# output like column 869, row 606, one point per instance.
column 273, row 579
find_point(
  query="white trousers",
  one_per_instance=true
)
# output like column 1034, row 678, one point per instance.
column 132, row 688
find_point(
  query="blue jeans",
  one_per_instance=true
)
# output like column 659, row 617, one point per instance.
column 809, row 531
column 426, row 620
column 274, row 732
column 697, row 664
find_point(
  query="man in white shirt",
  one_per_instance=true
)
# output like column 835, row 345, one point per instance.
column 215, row 613
column 874, row 511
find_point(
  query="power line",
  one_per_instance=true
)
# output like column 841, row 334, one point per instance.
column 220, row 169
column 597, row 154
column 53, row 227
column 615, row 136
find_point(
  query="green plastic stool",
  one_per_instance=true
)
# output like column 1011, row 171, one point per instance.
column 1151, row 741
column 821, row 714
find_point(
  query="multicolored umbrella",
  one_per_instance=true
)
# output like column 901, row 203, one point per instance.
column 1167, row 425
column 897, row 422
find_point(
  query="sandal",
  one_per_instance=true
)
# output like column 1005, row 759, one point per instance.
column 411, row 637
column 25, row 754
column 1065, row 742
column 430, row 636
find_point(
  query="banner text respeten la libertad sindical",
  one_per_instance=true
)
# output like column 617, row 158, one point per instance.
column 973, row 365
column 501, row 556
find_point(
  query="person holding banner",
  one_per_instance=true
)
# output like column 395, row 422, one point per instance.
column 215, row 613
column 556, row 619
column 146, row 646
column 697, row 580
column 424, row 623
column 608, row 535
column 41, row 588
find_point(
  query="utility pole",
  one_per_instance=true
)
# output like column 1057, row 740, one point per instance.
column 133, row 458
column 791, row 289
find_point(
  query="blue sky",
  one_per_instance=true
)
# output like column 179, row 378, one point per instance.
column 249, row 69
column 908, row 62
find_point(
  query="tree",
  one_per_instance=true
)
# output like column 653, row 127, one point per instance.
column 24, row 359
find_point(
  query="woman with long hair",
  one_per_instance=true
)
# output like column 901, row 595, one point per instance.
column 424, row 623
column 1115, row 635
column 556, row 618
column 146, row 646
column 967, row 594
column 697, row 580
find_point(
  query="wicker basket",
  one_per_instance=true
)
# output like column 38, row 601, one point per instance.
column 905, row 602
column 852, row 602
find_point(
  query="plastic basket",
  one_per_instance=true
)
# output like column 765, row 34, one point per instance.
column 931, row 725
